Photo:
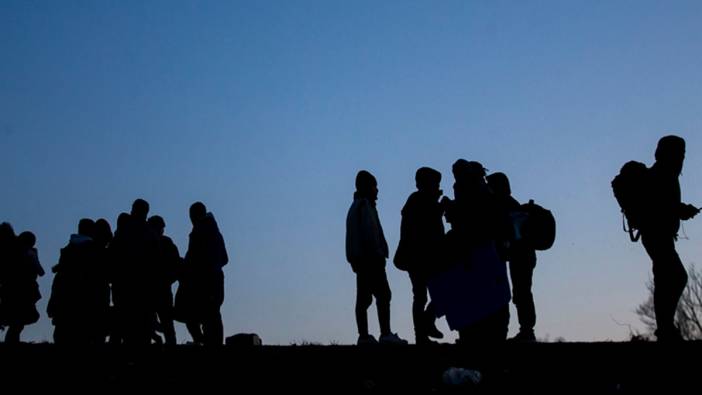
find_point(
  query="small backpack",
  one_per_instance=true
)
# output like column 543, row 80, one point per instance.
column 539, row 228
column 629, row 187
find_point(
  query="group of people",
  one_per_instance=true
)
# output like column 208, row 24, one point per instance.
column 117, row 288
column 464, row 269
column 480, row 219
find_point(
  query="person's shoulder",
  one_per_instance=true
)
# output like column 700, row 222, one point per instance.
column 414, row 200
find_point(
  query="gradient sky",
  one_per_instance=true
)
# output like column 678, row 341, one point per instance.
column 265, row 111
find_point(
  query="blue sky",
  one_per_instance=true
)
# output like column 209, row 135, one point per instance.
column 266, row 110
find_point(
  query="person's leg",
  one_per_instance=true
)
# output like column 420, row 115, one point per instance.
column 669, row 280
column 430, row 317
column 165, row 317
column 213, row 329
column 419, row 300
column 364, row 298
column 521, row 271
column 13, row 334
column 195, row 330
column 383, row 295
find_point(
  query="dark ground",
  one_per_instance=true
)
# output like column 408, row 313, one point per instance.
column 600, row 368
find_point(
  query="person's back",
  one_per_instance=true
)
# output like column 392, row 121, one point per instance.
column 422, row 228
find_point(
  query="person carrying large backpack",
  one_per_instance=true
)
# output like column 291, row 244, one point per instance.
column 522, row 260
column 656, row 209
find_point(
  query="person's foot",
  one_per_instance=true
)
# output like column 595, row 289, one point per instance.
column 365, row 340
column 424, row 341
column 524, row 337
column 669, row 336
column 393, row 339
column 433, row 331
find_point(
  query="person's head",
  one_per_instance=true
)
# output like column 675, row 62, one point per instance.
column 366, row 185
column 499, row 184
column 103, row 231
column 198, row 212
column 7, row 234
column 157, row 224
column 428, row 180
column 670, row 152
column 123, row 221
column 140, row 210
column 86, row 227
column 26, row 240
column 469, row 172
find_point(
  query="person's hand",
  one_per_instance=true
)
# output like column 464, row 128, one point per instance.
column 688, row 211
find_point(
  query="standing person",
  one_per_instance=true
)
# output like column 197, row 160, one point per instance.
column 476, row 224
column 167, row 265
column 421, row 235
column 366, row 251
column 659, row 231
column 136, row 262
column 99, row 280
column 201, row 289
column 21, row 291
column 71, row 306
column 8, row 254
column 522, row 261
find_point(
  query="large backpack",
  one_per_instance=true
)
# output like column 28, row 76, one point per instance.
column 539, row 228
column 629, row 187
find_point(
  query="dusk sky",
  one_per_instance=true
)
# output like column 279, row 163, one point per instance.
column 265, row 111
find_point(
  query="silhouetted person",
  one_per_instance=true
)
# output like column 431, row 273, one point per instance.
column 116, row 254
column 201, row 288
column 100, row 279
column 366, row 251
column 20, row 288
column 659, row 231
column 419, row 251
column 72, row 306
column 167, row 265
column 476, row 222
column 521, row 257
column 8, row 255
column 136, row 255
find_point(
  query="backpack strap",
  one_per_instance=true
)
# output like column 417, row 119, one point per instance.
column 634, row 235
